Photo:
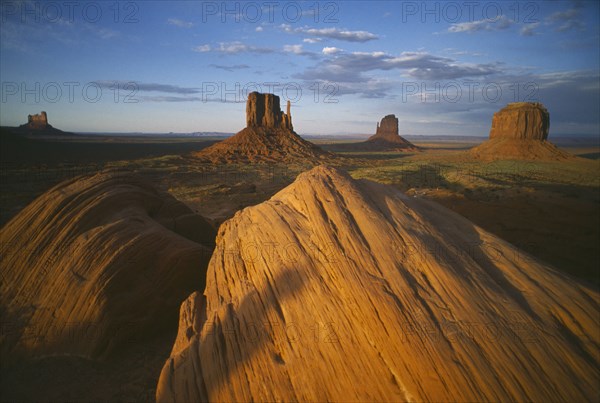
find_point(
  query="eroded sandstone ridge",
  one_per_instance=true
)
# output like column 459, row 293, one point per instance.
column 520, row 131
column 96, row 263
column 344, row 290
column 268, row 137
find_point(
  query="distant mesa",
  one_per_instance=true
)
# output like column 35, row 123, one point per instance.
column 268, row 137
column 520, row 131
column 38, row 125
column 387, row 137
column 38, row 122
column 521, row 120
column 97, row 263
column 338, row 289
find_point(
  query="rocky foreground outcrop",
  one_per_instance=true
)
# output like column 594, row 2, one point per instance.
column 268, row 137
column 96, row 263
column 344, row 290
column 520, row 131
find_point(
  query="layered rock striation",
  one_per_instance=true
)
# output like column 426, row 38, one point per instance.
column 97, row 263
column 344, row 290
column 520, row 131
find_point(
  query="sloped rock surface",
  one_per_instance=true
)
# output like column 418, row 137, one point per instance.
column 344, row 290
column 97, row 262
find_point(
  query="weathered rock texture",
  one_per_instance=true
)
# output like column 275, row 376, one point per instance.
column 388, row 128
column 520, row 131
column 521, row 120
column 268, row 137
column 264, row 110
column 343, row 290
column 96, row 263
column 38, row 121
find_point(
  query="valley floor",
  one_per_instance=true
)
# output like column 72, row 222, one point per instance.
column 548, row 209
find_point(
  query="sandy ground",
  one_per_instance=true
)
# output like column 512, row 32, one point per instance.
column 548, row 209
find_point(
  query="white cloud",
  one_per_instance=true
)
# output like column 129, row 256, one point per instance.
column 528, row 29
column 259, row 29
column 568, row 19
column 331, row 33
column 297, row 49
column 481, row 25
column 179, row 23
column 331, row 50
column 312, row 40
column 239, row 47
column 202, row 48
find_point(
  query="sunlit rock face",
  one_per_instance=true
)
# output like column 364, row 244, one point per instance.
column 268, row 137
column 344, row 290
column 264, row 110
column 97, row 263
column 519, row 132
column 387, row 138
column 521, row 120
column 37, row 121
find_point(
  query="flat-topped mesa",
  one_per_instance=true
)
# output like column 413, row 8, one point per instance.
column 37, row 121
column 521, row 120
column 264, row 110
column 388, row 126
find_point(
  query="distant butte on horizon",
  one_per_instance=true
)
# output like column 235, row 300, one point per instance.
column 269, row 136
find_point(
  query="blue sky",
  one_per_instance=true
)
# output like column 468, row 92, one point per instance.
column 157, row 66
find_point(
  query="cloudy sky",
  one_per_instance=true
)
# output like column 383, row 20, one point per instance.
column 441, row 67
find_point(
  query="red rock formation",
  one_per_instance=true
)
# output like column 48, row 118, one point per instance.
column 386, row 138
column 37, row 121
column 268, row 137
column 520, row 131
column 344, row 290
column 521, row 120
column 388, row 128
column 96, row 263
column 264, row 110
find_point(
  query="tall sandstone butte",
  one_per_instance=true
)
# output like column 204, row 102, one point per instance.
column 348, row 290
column 264, row 110
column 386, row 137
column 521, row 120
column 520, row 131
column 268, row 137
column 388, row 128
column 37, row 121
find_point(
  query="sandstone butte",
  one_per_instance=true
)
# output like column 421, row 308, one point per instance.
column 345, row 290
column 520, row 131
column 95, row 263
column 37, row 121
column 268, row 137
column 387, row 138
